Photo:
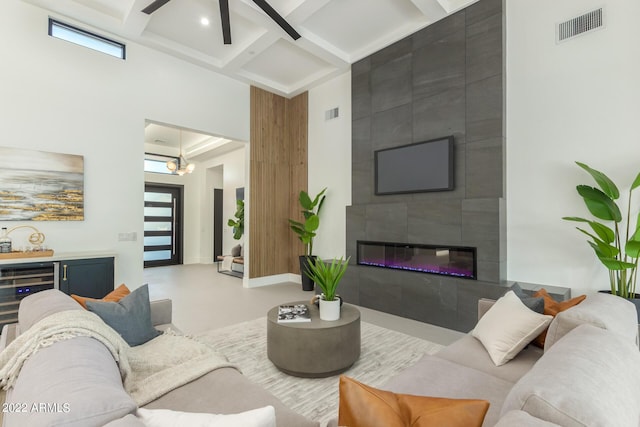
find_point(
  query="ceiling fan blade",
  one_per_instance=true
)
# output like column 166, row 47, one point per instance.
column 157, row 4
column 226, row 25
column 262, row 4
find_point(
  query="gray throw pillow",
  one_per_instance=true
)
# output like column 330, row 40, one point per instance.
column 130, row 317
column 535, row 304
column 235, row 251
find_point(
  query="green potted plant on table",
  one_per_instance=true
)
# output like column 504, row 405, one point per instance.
column 306, row 231
column 618, row 247
column 327, row 277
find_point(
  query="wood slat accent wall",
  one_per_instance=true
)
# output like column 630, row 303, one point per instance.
column 278, row 164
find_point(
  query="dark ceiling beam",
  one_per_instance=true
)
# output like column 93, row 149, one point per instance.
column 154, row 6
column 226, row 25
column 262, row 4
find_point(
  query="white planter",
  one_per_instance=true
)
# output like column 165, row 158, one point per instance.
column 329, row 310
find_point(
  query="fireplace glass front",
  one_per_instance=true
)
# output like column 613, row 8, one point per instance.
column 454, row 261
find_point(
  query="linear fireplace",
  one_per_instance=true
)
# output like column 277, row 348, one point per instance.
column 457, row 261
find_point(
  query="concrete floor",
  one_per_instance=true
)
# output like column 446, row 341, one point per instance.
column 204, row 299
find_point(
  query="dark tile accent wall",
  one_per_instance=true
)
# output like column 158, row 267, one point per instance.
column 446, row 79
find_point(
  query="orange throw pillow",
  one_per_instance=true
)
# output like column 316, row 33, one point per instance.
column 113, row 296
column 364, row 406
column 553, row 307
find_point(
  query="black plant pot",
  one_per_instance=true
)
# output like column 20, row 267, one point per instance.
column 307, row 283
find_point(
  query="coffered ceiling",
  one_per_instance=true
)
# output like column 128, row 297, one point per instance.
column 335, row 33
column 170, row 140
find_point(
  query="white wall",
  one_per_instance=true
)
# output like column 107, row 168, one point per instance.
column 330, row 162
column 233, row 166
column 59, row 97
column 576, row 100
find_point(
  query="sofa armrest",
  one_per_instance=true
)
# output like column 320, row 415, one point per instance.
column 484, row 304
column 161, row 312
column 522, row 419
column 9, row 333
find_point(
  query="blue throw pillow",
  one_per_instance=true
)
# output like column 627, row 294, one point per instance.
column 130, row 317
column 533, row 303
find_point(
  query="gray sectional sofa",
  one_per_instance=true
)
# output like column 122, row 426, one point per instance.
column 79, row 383
column 587, row 375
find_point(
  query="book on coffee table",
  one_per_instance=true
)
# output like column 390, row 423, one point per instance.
column 291, row 313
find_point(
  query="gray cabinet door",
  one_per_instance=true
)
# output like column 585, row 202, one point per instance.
column 91, row 278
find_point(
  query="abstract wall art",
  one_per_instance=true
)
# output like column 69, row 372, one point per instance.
column 41, row 186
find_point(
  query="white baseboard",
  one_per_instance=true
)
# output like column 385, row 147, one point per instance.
column 276, row 279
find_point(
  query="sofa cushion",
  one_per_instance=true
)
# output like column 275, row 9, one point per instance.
column 602, row 310
column 522, row 419
column 130, row 317
column 552, row 308
column 589, row 378
column 470, row 352
column 261, row 417
column 364, row 406
column 114, row 296
column 227, row 391
column 37, row 306
column 127, row 421
column 508, row 327
column 432, row 376
column 77, row 379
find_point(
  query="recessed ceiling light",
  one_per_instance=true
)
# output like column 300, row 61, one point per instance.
column 204, row 21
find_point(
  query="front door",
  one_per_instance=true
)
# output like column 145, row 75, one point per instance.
column 217, row 223
column 162, row 225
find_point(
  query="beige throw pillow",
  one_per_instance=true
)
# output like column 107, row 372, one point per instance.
column 261, row 417
column 508, row 327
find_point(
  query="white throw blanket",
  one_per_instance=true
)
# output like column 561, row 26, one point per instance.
column 148, row 371
column 227, row 262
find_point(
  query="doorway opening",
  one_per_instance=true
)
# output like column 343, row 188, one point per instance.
column 201, row 232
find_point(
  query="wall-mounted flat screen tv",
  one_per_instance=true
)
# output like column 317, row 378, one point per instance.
column 415, row 168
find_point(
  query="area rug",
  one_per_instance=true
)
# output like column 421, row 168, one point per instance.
column 383, row 353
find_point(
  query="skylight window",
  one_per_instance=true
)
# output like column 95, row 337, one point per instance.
column 84, row 38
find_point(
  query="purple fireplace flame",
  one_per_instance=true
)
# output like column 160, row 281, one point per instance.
column 444, row 260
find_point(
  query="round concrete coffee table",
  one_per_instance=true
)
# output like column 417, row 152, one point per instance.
column 314, row 349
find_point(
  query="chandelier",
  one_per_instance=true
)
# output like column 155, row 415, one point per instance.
column 180, row 166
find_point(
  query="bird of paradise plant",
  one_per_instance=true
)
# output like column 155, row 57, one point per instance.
column 617, row 247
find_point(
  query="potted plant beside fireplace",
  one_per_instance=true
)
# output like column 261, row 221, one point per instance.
column 306, row 231
column 616, row 246
column 327, row 277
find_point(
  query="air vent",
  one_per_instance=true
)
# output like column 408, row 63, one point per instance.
column 580, row 25
column 331, row 114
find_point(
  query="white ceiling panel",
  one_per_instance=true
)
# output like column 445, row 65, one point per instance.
column 115, row 8
column 352, row 24
column 182, row 25
column 283, row 7
column 285, row 64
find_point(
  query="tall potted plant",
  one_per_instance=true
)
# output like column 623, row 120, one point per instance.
column 306, row 231
column 618, row 247
column 327, row 277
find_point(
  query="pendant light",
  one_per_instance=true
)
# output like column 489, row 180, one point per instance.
column 180, row 166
